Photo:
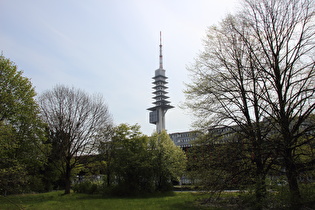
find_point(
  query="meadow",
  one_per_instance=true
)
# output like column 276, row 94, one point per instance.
column 56, row 200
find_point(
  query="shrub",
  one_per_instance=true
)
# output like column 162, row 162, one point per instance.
column 87, row 187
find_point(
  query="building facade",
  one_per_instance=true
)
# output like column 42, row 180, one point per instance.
column 184, row 139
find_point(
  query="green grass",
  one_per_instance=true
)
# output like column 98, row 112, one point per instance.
column 56, row 200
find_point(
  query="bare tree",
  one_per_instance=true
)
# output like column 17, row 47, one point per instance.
column 225, row 92
column 74, row 120
column 258, row 67
column 284, row 53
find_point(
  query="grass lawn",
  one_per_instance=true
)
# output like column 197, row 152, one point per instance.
column 56, row 200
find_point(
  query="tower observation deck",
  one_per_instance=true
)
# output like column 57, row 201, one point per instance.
column 161, row 105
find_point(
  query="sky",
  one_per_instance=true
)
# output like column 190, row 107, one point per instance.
column 111, row 48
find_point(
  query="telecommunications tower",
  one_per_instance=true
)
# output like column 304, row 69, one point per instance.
column 161, row 105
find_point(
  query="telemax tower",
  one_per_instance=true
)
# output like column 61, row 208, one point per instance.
column 161, row 105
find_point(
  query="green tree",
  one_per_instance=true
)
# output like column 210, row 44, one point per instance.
column 106, row 150
column 131, row 160
column 75, row 120
column 136, row 163
column 169, row 161
column 12, row 171
column 21, row 134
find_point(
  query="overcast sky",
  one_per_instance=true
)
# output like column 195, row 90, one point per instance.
column 110, row 47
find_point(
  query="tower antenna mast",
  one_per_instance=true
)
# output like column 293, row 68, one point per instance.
column 161, row 56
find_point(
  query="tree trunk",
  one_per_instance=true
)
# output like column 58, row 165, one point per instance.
column 289, row 162
column 292, row 176
column 68, row 178
column 108, row 178
column 260, row 191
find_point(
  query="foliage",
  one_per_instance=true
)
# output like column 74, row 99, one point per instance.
column 131, row 161
column 21, row 131
column 169, row 161
column 88, row 187
column 74, row 121
column 137, row 163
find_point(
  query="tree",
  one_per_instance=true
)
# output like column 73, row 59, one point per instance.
column 284, row 32
column 218, row 164
column 12, row 171
column 269, row 47
column 106, row 149
column 21, row 131
column 225, row 93
column 136, row 163
column 74, row 121
column 169, row 161
column 131, row 161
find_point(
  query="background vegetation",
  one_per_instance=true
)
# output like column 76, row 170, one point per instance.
column 137, row 163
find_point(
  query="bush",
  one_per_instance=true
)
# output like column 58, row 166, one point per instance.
column 279, row 197
column 308, row 194
column 87, row 187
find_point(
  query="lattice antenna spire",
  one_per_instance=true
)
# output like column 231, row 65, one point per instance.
column 161, row 56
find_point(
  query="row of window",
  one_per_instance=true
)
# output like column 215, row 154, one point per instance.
column 186, row 145
column 180, row 135
column 184, row 140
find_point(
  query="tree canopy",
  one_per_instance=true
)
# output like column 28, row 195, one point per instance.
column 21, row 130
column 169, row 161
column 137, row 163
column 75, row 120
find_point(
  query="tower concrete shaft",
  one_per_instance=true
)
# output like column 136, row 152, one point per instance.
column 161, row 105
